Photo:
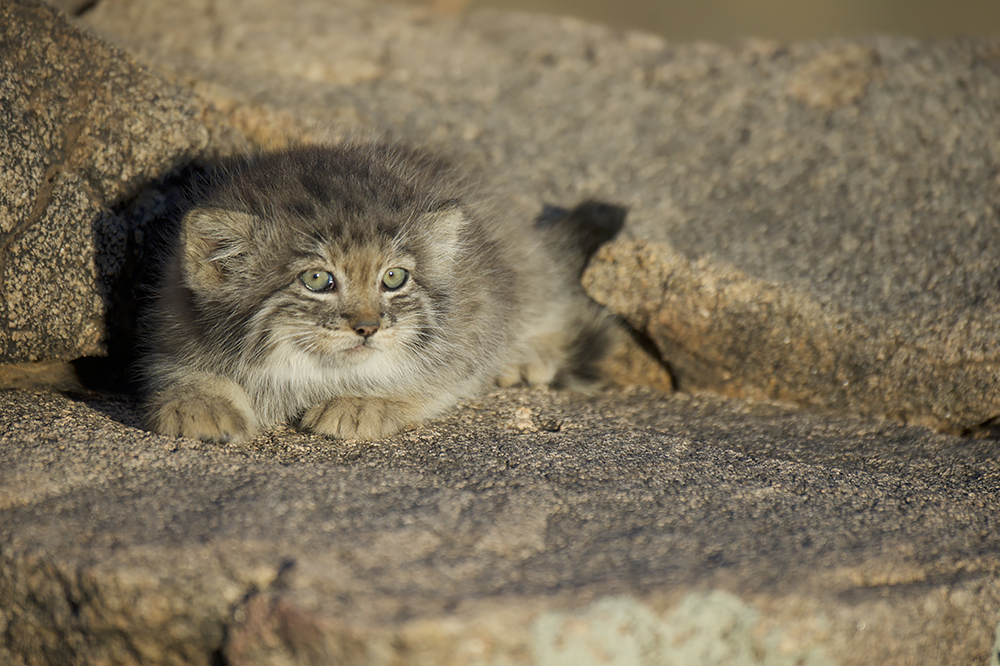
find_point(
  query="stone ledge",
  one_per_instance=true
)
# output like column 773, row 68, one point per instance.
column 824, row 193
column 751, row 529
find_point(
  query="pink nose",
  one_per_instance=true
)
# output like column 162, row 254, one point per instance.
column 366, row 328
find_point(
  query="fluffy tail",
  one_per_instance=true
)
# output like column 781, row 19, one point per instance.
column 576, row 234
column 579, row 232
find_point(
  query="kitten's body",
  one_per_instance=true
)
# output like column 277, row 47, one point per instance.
column 281, row 299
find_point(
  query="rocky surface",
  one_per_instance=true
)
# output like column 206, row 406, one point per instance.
column 528, row 528
column 83, row 127
column 813, row 223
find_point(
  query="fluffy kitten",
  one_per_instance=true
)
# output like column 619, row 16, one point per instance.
column 360, row 289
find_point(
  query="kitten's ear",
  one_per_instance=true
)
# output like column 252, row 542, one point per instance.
column 211, row 239
column 446, row 221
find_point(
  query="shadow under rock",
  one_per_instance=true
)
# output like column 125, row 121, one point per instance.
column 131, row 243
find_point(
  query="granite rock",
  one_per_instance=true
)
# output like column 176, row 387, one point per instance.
column 810, row 223
column 530, row 527
column 83, row 129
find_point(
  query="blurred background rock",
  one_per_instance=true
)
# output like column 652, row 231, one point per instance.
column 782, row 20
column 724, row 20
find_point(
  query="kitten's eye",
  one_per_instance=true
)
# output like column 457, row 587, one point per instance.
column 317, row 280
column 394, row 278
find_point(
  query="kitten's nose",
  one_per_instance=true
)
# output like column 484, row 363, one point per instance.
column 366, row 327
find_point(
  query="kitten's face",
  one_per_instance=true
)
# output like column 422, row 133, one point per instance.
column 349, row 307
column 358, row 304
column 338, row 271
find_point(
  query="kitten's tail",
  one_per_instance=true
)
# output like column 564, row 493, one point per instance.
column 575, row 236
column 579, row 232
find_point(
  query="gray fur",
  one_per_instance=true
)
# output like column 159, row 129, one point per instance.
column 239, row 343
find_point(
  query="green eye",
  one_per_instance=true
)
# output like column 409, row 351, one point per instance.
column 318, row 280
column 394, row 278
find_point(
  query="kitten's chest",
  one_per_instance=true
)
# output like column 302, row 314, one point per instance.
column 287, row 381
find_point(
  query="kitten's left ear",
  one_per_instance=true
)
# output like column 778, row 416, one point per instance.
column 446, row 222
column 211, row 240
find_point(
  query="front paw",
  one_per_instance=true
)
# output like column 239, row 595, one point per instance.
column 355, row 418
column 215, row 411
column 536, row 368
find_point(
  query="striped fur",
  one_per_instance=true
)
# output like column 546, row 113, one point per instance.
column 239, row 343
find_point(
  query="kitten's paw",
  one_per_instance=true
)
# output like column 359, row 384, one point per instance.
column 535, row 369
column 356, row 418
column 203, row 413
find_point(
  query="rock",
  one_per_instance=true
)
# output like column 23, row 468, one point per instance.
column 72, row 7
column 627, row 528
column 824, row 215
column 83, row 128
column 41, row 375
column 829, row 246
column 800, row 217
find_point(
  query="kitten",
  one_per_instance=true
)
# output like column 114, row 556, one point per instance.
column 360, row 289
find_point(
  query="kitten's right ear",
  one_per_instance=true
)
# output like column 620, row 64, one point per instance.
column 447, row 220
column 211, row 239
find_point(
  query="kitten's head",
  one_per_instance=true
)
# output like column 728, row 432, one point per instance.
column 307, row 262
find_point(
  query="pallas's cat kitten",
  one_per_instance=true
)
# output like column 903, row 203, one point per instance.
column 356, row 290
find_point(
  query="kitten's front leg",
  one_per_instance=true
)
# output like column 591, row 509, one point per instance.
column 538, row 363
column 358, row 418
column 205, row 407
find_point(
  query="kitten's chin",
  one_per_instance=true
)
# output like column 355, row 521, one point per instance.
column 359, row 350
column 358, row 353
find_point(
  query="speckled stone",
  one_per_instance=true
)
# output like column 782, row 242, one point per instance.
column 83, row 127
column 528, row 527
column 813, row 222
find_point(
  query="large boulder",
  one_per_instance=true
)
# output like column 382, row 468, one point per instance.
column 828, row 230
column 83, row 129
column 531, row 527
